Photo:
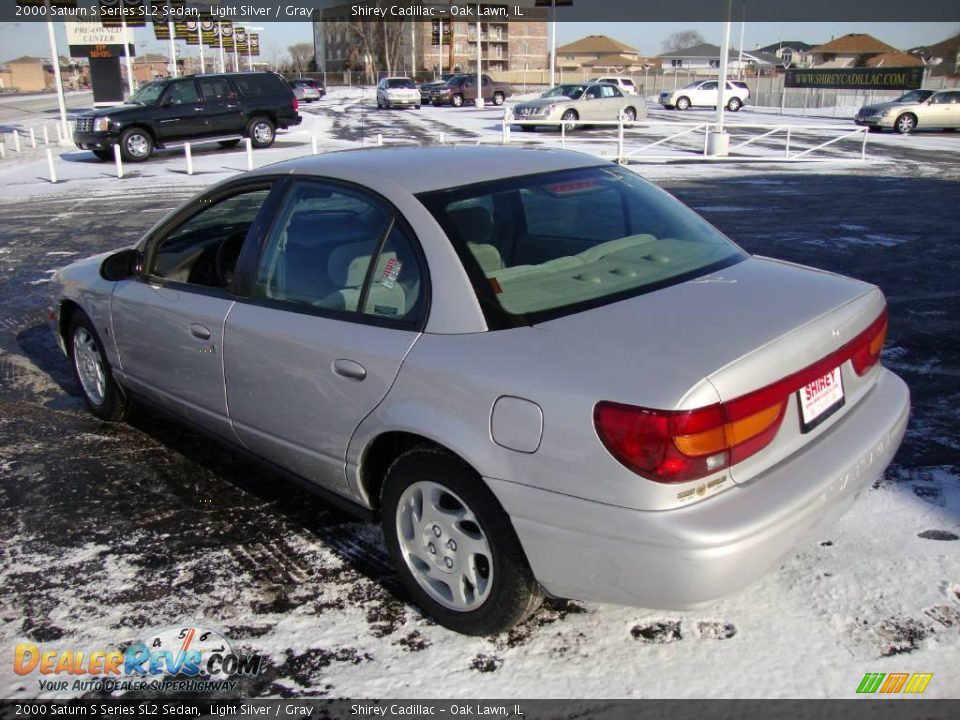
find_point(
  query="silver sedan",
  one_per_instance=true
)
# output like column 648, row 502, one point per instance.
column 543, row 374
column 579, row 102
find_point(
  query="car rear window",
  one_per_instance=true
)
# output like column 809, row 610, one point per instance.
column 260, row 84
column 541, row 246
column 401, row 83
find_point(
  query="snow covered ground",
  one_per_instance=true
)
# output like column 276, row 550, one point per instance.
column 116, row 530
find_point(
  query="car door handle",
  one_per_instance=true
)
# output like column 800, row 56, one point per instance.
column 349, row 369
column 200, row 332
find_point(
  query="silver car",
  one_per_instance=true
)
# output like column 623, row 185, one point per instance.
column 574, row 102
column 397, row 92
column 543, row 374
column 915, row 109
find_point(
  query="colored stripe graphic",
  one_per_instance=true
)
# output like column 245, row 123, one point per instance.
column 918, row 683
column 870, row 682
column 894, row 683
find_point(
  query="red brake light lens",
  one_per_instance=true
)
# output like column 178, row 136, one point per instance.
column 296, row 104
column 675, row 446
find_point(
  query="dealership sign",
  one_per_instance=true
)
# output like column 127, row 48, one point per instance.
column 892, row 78
column 95, row 40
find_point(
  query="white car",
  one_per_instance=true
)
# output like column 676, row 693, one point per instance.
column 626, row 85
column 397, row 92
column 703, row 93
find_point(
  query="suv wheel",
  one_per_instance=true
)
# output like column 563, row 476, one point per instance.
column 498, row 98
column 734, row 104
column 453, row 545
column 91, row 371
column 135, row 144
column 261, row 132
column 457, row 100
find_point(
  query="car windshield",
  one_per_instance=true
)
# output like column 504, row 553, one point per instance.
column 914, row 96
column 401, row 83
column 541, row 246
column 148, row 94
column 569, row 91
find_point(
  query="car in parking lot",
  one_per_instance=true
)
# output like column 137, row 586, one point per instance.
column 573, row 103
column 627, row 85
column 704, row 93
column 462, row 89
column 915, row 109
column 307, row 90
column 397, row 92
column 428, row 87
column 543, row 374
column 230, row 106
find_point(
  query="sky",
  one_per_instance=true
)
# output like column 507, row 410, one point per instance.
column 18, row 39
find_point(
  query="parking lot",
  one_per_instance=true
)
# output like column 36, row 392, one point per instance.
column 112, row 531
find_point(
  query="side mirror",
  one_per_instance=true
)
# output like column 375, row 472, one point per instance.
column 121, row 265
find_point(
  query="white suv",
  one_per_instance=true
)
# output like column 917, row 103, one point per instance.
column 626, row 85
column 703, row 93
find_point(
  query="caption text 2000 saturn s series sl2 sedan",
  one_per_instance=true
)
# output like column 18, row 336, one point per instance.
column 544, row 374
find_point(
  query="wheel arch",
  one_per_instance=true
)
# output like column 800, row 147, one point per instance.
column 68, row 308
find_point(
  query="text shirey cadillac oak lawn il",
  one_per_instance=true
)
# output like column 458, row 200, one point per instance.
column 544, row 374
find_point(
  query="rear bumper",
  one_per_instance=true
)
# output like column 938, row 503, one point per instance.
column 682, row 558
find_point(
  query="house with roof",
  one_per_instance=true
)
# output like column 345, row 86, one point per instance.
column 6, row 81
column 860, row 50
column 30, row 74
column 942, row 58
column 795, row 53
column 599, row 54
column 704, row 59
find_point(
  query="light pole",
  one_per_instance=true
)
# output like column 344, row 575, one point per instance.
column 254, row 28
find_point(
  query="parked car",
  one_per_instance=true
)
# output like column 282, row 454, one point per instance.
column 229, row 106
column 597, row 101
column 626, row 85
column 307, row 90
column 397, row 92
column 428, row 87
column 703, row 93
column 543, row 374
column 917, row 108
column 463, row 88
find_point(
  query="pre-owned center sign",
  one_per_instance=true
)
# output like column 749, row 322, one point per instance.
column 94, row 40
column 892, row 78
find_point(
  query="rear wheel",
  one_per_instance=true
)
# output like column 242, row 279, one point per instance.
column 683, row 103
column 453, row 545
column 136, row 144
column 734, row 104
column 261, row 132
column 906, row 123
column 91, row 371
column 629, row 114
column 228, row 143
column 498, row 98
column 457, row 100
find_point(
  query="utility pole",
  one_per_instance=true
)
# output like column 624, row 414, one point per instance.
column 56, row 72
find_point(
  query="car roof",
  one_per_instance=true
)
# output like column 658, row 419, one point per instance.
column 436, row 168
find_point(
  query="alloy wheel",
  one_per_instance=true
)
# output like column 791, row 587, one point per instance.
column 89, row 365
column 138, row 145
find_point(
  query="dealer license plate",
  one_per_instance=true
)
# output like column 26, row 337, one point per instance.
column 819, row 399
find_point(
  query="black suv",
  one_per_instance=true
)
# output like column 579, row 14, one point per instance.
column 230, row 105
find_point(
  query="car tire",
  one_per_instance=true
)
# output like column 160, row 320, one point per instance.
column 261, row 132
column 457, row 100
column 629, row 114
column 228, row 143
column 103, row 154
column 136, row 144
column 498, row 98
column 569, row 115
column 905, row 124
column 683, row 103
column 734, row 104
column 483, row 592
column 100, row 391
column 416, row 107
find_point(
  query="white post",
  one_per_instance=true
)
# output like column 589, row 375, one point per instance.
column 203, row 67
column 563, row 133
column 863, row 149
column 440, row 138
column 786, row 151
column 46, row 136
column 236, row 54
column 55, row 61
column 50, row 166
column 223, row 66
column 506, row 126
column 743, row 25
column 59, row 135
column 131, row 83
column 249, row 153
column 379, row 139
column 553, row 43
column 173, row 47
column 479, row 101
column 33, row 139
column 313, row 144
column 250, row 54
column 16, row 141
column 118, row 161
column 719, row 140
column 3, row 150
column 620, row 138
column 186, row 149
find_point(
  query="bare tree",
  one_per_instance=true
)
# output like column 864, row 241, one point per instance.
column 682, row 39
column 300, row 55
column 377, row 44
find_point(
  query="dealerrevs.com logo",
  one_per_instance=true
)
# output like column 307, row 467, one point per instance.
column 185, row 658
column 894, row 683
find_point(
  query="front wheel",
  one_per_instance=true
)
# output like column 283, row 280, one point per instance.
column 91, row 371
column 683, row 103
column 136, row 144
column 453, row 545
column 457, row 100
column 498, row 98
column 905, row 124
column 570, row 116
column 261, row 132
column 734, row 104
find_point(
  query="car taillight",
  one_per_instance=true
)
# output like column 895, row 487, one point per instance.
column 296, row 104
column 674, row 446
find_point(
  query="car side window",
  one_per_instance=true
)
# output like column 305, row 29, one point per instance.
column 337, row 249
column 709, row 86
column 181, row 92
column 215, row 88
column 203, row 250
column 609, row 91
column 594, row 91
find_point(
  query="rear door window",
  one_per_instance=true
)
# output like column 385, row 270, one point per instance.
column 216, row 89
column 259, row 84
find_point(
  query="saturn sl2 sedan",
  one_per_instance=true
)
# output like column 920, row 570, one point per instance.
column 544, row 375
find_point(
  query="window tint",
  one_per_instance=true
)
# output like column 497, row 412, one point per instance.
column 946, row 98
column 216, row 88
column 544, row 245
column 594, row 91
column 709, row 86
column 610, row 91
column 259, row 84
column 181, row 93
column 204, row 249
column 325, row 252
